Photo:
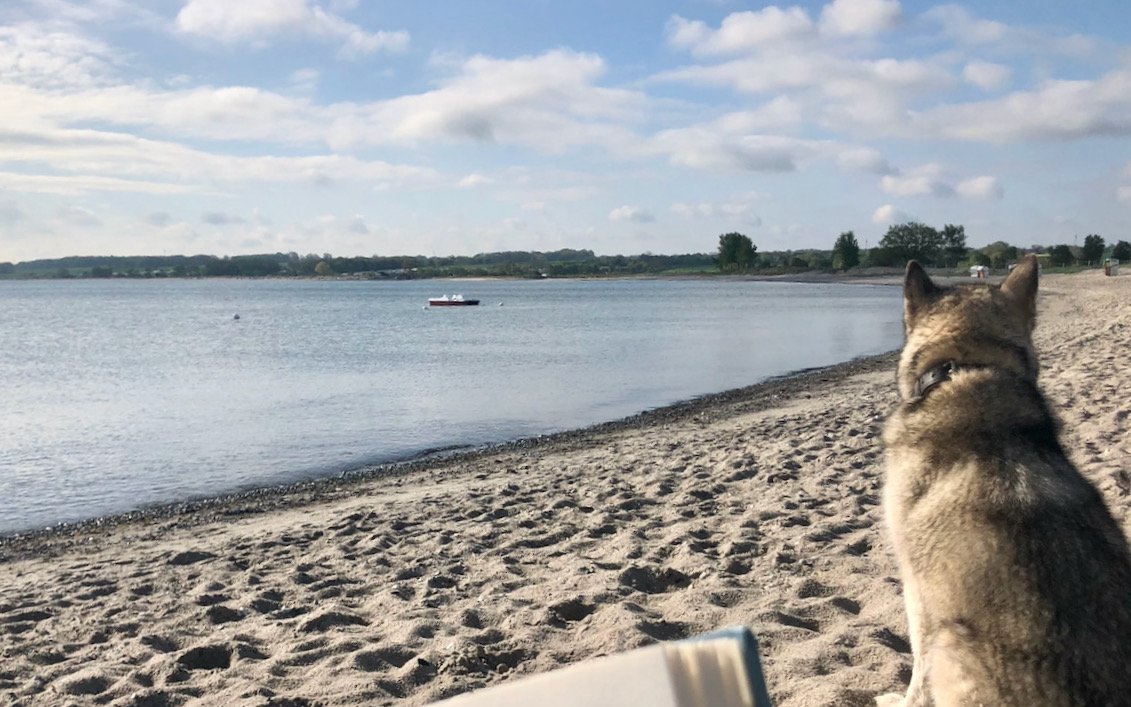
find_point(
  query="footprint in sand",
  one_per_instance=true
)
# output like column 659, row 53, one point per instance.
column 214, row 656
column 652, row 580
column 99, row 588
column 189, row 557
column 570, row 611
column 383, row 658
column 220, row 614
column 330, row 619
column 795, row 621
column 85, row 682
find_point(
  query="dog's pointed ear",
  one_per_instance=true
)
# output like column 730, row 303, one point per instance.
column 1021, row 286
column 917, row 292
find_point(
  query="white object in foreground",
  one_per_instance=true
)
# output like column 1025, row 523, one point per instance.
column 715, row 670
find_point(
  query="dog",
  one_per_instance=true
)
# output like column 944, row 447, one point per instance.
column 1016, row 577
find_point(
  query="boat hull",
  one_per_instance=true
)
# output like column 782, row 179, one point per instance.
column 453, row 303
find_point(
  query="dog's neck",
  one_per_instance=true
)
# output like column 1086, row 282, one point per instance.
column 940, row 374
column 943, row 372
column 959, row 408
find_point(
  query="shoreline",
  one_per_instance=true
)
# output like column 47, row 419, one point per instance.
column 264, row 499
column 867, row 276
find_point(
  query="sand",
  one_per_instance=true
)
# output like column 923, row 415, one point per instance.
column 759, row 506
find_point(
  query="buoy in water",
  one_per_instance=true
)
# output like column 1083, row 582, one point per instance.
column 235, row 316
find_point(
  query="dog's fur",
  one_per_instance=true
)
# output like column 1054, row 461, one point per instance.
column 1017, row 579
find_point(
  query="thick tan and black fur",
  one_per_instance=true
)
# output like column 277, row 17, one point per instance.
column 1017, row 579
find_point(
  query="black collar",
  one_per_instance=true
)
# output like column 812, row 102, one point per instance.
column 934, row 376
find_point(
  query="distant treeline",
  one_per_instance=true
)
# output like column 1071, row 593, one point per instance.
column 528, row 264
column 941, row 248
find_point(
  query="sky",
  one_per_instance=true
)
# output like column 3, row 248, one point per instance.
column 458, row 127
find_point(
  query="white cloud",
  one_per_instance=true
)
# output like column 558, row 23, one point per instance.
column 1055, row 110
column 549, row 189
column 219, row 218
column 79, row 216
column 79, row 161
column 735, row 210
column 1124, row 194
column 984, row 187
column 958, row 24
column 828, row 83
column 305, row 80
column 914, row 74
column 930, row 180
column 257, row 20
column 357, row 225
column 926, row 180
column 75, row 185
column 631, row 213
column 864, row 159
column 686, row 34
column 741, row 31
column 80, row 11
column 53, row 59
column 779, row 72
column 860, row 17
column 779, row 112
column 227, row 114
column 869, row 92
column 233, row 21
column 962, row 27
column 548, row 102
column 710, row 147
column 887, row 215
column 475, row 180
column 985, row 75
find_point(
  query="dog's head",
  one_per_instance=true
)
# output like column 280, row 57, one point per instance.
column 971, row 325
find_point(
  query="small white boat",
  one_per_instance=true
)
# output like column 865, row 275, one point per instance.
column 453, row 301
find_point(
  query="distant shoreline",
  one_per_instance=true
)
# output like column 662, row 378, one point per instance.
column 872, row 276
column 804, row 276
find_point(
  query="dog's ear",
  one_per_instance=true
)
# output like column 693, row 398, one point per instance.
column 917, row 292
column 1021, row 286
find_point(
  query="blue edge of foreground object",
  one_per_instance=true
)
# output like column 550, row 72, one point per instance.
column 750, row 655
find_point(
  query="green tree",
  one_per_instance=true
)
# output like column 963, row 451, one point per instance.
column 323, row 269
column 912, row 241
column 978, row 257
column 846, row 251
column 1000, row 254
column 1060, row 255
column 736, row 252
column 1121, row 251
column 1093, row 248
column 954, row 243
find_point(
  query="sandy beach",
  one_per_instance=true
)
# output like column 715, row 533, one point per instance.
column 759, row 506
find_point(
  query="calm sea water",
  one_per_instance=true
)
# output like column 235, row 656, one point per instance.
column 118, row 394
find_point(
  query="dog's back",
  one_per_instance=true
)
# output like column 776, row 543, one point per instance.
column 1017, row 578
